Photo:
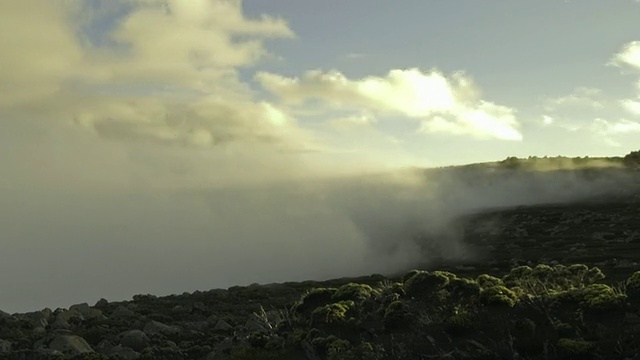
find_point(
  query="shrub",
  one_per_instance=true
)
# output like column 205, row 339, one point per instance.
column 498, row 295
column 601, row 297
column 460, row 323
column 426, row 283
column 464, row 288
column 633, row 285
column 395, row 316
column 313, row 299
column 574, row 349
column 339, row 312
column 353, row 291
column 486, row 281
column 516, row 275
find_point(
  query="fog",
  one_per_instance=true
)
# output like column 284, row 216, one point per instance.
column 84, row 218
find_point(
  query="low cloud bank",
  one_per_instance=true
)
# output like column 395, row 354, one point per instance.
column 69, row 238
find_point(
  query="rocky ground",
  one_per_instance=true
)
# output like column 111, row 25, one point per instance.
column 501, row 305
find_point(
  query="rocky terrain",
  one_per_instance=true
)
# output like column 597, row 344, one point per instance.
column 558, row 281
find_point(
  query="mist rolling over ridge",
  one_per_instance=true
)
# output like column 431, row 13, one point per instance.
column 162, row 146
column 82, row 242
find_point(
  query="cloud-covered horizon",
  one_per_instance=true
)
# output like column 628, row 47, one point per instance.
column 155, row 145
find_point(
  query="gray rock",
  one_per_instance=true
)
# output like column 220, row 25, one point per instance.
column 4, row 315
column 70, row 345
column 256, row 323
column 5, row 346
column 135, row 339
column 126, row 353
column 101, row 303
column 85, row 311
column 60, row 323
column 122, row 312
column 155, row 327
column 222, row 325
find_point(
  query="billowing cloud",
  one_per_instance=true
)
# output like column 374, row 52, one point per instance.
column 163, row 71
column 443, row 104
column 628, row 56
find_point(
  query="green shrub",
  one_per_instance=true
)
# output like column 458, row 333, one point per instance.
column 516, row 275
column 574, row 349
column 426, row 283
column 486, row 281
column 340, row 312
column 462, row 288
column 601, row 297
column 498, row 295
column 313, row 299
column 396, row 316
column 409, row 275
column 353, row 291
column 461, row 322
column 633, row 285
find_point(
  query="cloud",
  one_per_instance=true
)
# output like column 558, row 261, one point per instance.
column 163, row 71
column 580, row 97
column 629, row 55
column 430, row 97
column 37, row 52
column 547, row 120
column 622, row 126
column 352, row 122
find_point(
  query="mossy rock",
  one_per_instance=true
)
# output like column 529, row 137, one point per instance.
column 462, row 288
column 426, row 283
column 353, row 291
column 571, row 349
column 498, row 295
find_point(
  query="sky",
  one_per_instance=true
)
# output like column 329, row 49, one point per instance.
column 145, row 143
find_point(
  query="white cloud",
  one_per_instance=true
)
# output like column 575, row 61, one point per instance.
column 168, row 74
column 579, row 97
column 622, row 126
column 547, row 120
column 429, row 97
column 628, row 56
column 352, row 121
column 632, row 106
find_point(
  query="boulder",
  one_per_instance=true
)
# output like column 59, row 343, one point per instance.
column 70, row 345
column 125, row 353
column 135, row 339
column 155, row 327
column 85, row 311
column 222, row 325
column 122, row 312
column 5, row 346
column 101, row 303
